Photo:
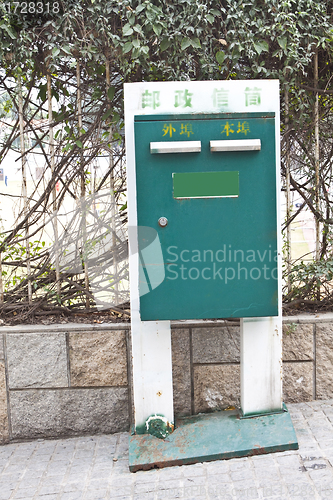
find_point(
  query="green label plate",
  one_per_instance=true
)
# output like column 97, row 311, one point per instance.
column 205, row 184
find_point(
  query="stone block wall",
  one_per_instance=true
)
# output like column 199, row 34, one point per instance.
column 69, row 382
column 72, row 379
column 4, row 426
column 299, row 366
column 210, row 362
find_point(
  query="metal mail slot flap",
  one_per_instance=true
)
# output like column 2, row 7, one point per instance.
column 175, row 147
column 236, row 145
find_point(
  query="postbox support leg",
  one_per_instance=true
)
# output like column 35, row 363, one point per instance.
column 152, row 371
column 261, row 365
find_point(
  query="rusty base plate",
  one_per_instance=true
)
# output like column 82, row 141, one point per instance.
column 213, row 436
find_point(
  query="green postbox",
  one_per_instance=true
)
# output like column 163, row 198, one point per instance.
column 203, row 200
column 206, row 193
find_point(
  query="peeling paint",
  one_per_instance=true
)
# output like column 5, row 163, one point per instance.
column 207, row 437
column 159, row 426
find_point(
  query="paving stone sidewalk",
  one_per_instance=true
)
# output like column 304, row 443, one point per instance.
column 96, row 468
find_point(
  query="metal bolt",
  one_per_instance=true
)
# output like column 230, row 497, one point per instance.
column 162, row 221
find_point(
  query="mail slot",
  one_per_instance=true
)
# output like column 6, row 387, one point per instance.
column 236, row 145
column 212, row 178
column 175, row 147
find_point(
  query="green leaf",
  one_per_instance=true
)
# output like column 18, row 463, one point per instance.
column 108, row 113
column 111, row 91
column 220, row 56
column 136, row 43
column 66, row 49
column 55, row 51
column 79, row 144
column 186, row 42
column 165, row 43
column 100, row 70
column 157, row 29
column 282, row 42
column 127, row 47
column 139, row 8
column 137, row 28
column 115, row 117
column 195, row 42
column 96, row 94
column 210, row 18
column 261, row 46
column 127, row 30
column 42, row 92
column 10, row 31
column 135, row 52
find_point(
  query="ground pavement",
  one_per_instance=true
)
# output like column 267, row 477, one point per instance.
column 96, row 468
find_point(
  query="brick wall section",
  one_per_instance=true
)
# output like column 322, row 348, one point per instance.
column 67, row 380
column 98, row 358
column 298, row 362
column 324, row 364
column 215, row 364
column 181, row 370
column 4, row 426
column 216, row 370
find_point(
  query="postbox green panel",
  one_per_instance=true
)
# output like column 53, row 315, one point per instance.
column 217, row 255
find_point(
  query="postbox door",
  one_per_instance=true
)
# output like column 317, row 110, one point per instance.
column 206, row 204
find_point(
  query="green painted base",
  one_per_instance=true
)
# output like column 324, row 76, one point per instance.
column 213, row 436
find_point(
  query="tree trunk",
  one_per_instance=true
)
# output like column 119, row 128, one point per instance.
column 54, row 191
column 317, row 164
column 288, row 205
column 317, row 181
column 83, row 188
column 112, row 192
column 24, row 184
